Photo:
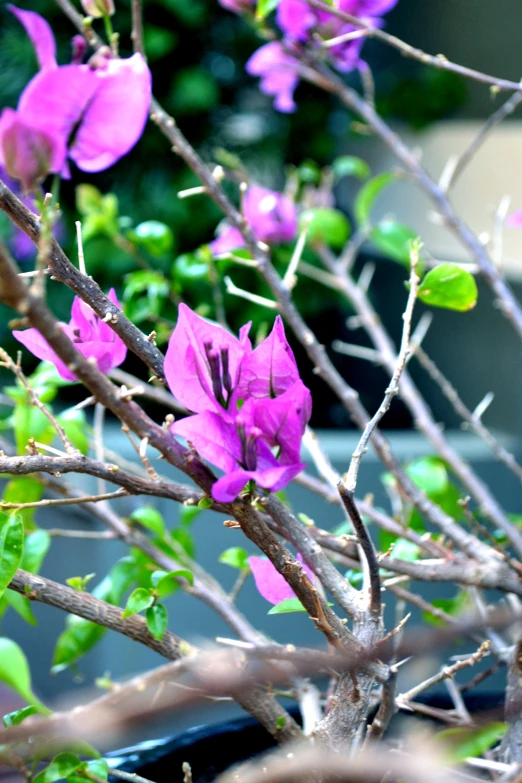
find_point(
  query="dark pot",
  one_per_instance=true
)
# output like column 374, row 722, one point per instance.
column 211, row 750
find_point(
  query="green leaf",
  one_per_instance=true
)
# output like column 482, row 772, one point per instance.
column 452, row 606
column 265, row 7
column 205, row 503
column 24, row 489
column 21, row 605
column 236, row 557
column 75, row 425
column 326, row 226
column 154, row 237
column 79, row 582
column 36, row 546
column 76, row 640
column 449, row 286
column 190, row 268
column 288, row 605
column 367, row 196
column 14, row 672
column 29, row 422
column 140, row 598
column 280, row 721
column 187, row 514
column 462, row 743
column 157, row 620
column 429, row 474
column 15, row 718
column 185, row 540
column 350, row 166
column 11, row 547
column 63, row 765
column 151, row 519
column 167, row 582
column 393, row 240
column 309, row 172
column 405, row 550
column 88, row 199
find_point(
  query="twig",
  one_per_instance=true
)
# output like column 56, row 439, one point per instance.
column 437, row 61
column 66, row 501
column 137, row 27
column 445, row 673
column 393, row 388
column 367, row 547
column 130, row 777
column 105, row 535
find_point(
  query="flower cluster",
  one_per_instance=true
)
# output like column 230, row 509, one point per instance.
column 277, row 63
column 91, row 113
column 93, row 338
column 271, row 216
column 251, row 408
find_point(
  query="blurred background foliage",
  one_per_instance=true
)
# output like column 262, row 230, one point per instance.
column 139, row 236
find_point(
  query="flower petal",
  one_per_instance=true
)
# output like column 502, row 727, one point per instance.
column 271, row 368
column 270, row 583
column 41, row 35
column 39, row 347
column 214, row 437
column 115, row 117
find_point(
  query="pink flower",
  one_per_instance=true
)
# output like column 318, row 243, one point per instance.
column 95, row 114
column 279, row 73
column 270, row 583
column 91, row 337
column 28, row 152
column 271, row 216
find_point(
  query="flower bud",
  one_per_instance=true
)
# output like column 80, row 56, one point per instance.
column 98, row 8
column 79, row 47
column 28, row 153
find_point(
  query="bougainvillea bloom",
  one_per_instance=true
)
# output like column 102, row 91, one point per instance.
column 271, row 584
column 271, row 216
column 279, row 74
column 99, row 110
column 203, row 362
column 28, row 152
column 236, row 445
column 91, row 337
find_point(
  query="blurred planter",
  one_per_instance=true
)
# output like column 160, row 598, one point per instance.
column 211, row 750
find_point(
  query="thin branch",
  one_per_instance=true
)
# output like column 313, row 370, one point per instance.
column 393, row 388
column 437, row 61
column 65, row 501
column 137, row 27
column 367, row 547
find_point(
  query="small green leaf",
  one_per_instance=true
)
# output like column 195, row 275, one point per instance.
column 429, row 474
column 24, row 489
column 15, row 718
column 236, row 557
column 75, row 425
column 367, row 196
column 78, row 638
column 405, row 550
column 326, row 226
column 88, row 199
column 63, row 765
column 188, row 514
column 157, row 620
column 154, row 237
column 265, row 7
column 11, row 548
column 306, row 520
column 140, row 598
column 280, row 722
column 461, row 743
column 36, row 546
column 190, row 268
column 205, row 503
column 151, row 519
column 79, row 582
column 288, row 605
column 350, row 166
column 393, row 240
column 14, row 672
column 452, row 606
column 449, row 286
column 21, row 605
column 165, row 583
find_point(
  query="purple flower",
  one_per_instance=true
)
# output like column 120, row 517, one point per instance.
column 515, row 219
column 100, row 109
column 203, row 362
column 270, row 583
column 91, row 337
column 27, row 151
column 237, row 445
column 283, row 421
column 270, row 370
column 271, row 216
column 279, row 74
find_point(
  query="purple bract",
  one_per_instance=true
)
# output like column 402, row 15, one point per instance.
column 270, row 583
